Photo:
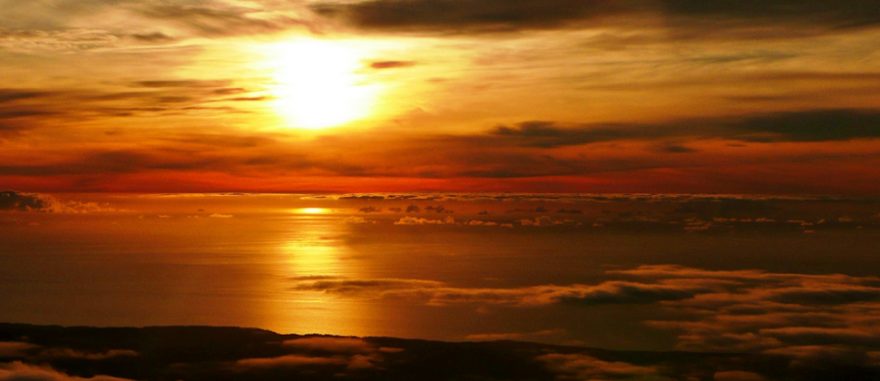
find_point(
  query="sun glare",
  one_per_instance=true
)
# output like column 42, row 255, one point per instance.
column 318, row 84
column 312, row 211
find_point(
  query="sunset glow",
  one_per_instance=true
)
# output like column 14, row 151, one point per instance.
column 320, row 84
column 437, row 190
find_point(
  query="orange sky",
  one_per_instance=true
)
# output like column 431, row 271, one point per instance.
column 454, row 95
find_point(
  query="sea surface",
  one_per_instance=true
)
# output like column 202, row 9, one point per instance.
column 695, row 272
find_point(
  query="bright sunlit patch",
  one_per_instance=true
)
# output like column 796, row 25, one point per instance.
column 311, row 211
column 318, row 83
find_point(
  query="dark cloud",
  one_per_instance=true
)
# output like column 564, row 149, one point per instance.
column 184, row 83
column 10, row 95
column 826, row 296
column 12, row 200
column 221, row 20
column 675, row 148
column 584, row 367
column 289, row 361
column 215, row 353
column 152, row 37
column 731, row 310
column 32, row 108
column 455, row 16
column 391, row 64
column 841, row 14
column 372, row 197
column 328, row 344
column 438, row 293
column 780, row 18
column 23, row 112
column 796, row 126
column 19, row 371
column 818, row 125
column 12, row 349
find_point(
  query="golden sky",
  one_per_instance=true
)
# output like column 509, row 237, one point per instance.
column 453, row 95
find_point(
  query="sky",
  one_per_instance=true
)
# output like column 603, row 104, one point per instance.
column 649, row 96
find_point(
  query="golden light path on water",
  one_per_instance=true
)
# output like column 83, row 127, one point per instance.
column 313, row 247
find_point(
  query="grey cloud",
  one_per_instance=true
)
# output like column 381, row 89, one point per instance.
column 152, row 37
column 456, row 16
column 391, row 64
column 10, row 95
column 841, row 14
column 438, row 293
column 795, row 126
column 37, row 107
column 181, row 83
column 738, row 310
column 220, row 20
column 823, row 336
column 12, row 200
column 19, row 371
column 828, row 296
column 9, row 349
column 780, row 18
column 576, row 366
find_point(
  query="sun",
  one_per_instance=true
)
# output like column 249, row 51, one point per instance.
column 320, row 83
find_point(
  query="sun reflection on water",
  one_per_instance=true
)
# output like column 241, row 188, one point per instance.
column 311, row 249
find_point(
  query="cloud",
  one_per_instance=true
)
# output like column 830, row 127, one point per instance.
column 354, row 354
column 67, row 353
column 719, row 310
column 152, row 37
column 737, row 375
column 244, row 353
column 16, row 201
column 684, row 17
column 330, row 344
column 11, row 95
column 764, row 311
column 18, row 371
column 451, row 16
column 585, row 367
column 391, row 64
column 32, row 108
column 15, row 348
column 449, row 220
column 289, row 361
column 441, row 294
column 33, row 202
column 182, row 83
column 544, row 221
column 536, row 335
column 795, row 126
column 216, row 19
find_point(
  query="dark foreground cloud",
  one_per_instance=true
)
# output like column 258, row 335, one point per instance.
column 19, row 371
column 213, row 353
column 585, row 367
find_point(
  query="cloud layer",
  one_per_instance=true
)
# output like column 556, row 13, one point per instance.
column 796, row 315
